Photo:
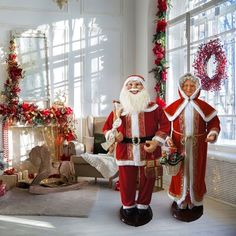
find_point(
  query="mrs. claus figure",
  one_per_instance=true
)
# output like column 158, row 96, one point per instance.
column 194, row 124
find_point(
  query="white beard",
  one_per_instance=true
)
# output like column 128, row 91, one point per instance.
column 133, row 103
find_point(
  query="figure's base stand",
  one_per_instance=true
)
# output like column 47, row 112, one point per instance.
column 186, row 215
column 136, row 217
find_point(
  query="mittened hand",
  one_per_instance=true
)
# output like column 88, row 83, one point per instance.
column 211, row 138
column 150, row 146
column 119, row 137
column 170, row 142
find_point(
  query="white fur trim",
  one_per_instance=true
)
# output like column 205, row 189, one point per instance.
column 187, row 164
column 152, row 108
column 149, row 109
column 198, row 109
column 158, row 139
column 130, row 163
column 178, row 111
column 134, row 78
column 142, row 207
column 213, row 132
column 129, row 207
column 108, row 135
column 135, row 133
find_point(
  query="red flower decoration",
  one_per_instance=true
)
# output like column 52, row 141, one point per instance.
column 13, row 111
column 160, row 69
column 158, row 49
column 162, row 5
column 160, row 102
column 12, row 57
column 161, row 25
column 158, row 88
column 15, row 72
column 164, row 75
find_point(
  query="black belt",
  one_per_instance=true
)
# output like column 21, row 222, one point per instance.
column 136, row 140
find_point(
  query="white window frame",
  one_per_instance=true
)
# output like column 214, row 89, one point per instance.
column 219, row 149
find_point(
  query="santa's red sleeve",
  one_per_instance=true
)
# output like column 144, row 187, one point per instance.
column 163, row 126
column 108, row 123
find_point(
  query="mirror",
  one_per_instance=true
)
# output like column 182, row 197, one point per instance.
column 33, row 58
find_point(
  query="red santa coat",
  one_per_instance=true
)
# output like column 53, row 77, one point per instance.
column 192, row 121
column 149, row 123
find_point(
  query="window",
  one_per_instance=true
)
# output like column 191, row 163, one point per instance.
column 196, row 22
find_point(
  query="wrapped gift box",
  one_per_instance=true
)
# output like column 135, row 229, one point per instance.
column 9, row 180
column 2, row 189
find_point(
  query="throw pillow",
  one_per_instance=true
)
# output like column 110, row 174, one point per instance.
column 98, row 139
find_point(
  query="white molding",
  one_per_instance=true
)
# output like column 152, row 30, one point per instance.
column 222, row 154
column 15, row 8
column 103, row 13
column 221, row 201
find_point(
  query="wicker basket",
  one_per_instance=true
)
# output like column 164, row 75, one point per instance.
column 172, row 165
column 172, row 170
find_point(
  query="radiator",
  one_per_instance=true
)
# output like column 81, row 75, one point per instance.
column 220, row 180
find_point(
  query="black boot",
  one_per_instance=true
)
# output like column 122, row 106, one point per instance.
column 186, row 215
column 129, row 216
column 144, row 216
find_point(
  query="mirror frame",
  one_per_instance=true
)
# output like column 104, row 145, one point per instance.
column 37, row 34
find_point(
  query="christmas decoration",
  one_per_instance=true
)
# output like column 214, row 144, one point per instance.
column 205, row 52
column 61, row 3
column 159, row 40
column 14, row 111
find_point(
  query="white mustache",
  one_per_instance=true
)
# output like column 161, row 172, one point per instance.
column 134, row 90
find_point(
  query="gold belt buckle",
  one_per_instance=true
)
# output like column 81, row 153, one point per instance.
column 135, row 140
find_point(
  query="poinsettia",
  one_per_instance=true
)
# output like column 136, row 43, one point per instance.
column 162, row 5
column 14, row 72
column 161, row 25
column 29, row 113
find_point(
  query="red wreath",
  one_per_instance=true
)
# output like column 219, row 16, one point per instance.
column 205, row 52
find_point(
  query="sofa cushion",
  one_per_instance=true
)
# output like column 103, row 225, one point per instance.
column 98, row 139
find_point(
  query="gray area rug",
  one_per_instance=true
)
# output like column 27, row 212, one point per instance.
column 75, row 203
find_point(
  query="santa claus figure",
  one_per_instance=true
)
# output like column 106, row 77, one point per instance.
column 194, row 124
column 141, row 128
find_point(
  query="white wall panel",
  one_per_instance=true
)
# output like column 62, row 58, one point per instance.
column 103, row 69
column 102, row 7
column 31, row 5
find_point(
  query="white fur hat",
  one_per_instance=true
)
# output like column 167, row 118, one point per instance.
column 138, row 78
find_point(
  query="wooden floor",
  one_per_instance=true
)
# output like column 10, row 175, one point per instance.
column 218, row 220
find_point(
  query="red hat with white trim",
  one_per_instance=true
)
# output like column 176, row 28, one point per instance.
column 137, row 78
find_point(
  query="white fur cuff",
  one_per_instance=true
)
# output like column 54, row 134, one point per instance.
column 159, row 139
column 213, row 132
column 109, row 135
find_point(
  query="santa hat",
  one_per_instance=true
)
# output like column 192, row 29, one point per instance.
column 137, row 78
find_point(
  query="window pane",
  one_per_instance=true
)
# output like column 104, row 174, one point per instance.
column 217, row 22
column 179, row 7
column 176, row 35
column 178, row 66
